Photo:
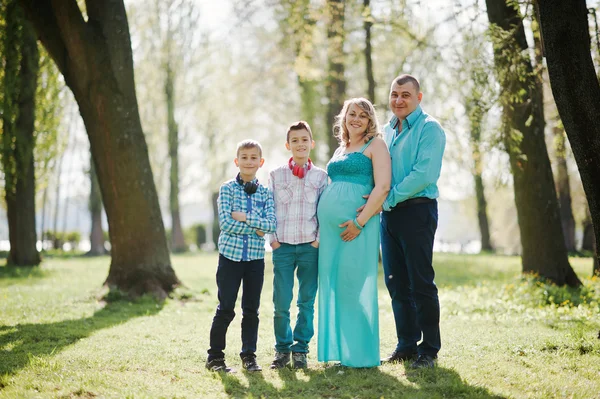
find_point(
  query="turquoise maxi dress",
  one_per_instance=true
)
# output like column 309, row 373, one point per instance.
column 348, row 312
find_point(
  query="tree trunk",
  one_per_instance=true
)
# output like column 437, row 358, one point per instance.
column 587, row 243
column 18, row 118
column 97, row 233
column 367, row 24
column 564, row 188
column 562, row 174
column 335, row 85
column 542, row 239
column 216, row 230
column 95, row 59
column 482, row 217
column 177, row 239
column 309, row 97
column 476, row 108
column 566, row 39
column 596, row 267
column 43, row 221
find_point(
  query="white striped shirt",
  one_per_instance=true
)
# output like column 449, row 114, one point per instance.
column 296, row 204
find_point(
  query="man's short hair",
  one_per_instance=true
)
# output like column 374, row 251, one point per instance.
column 247, row 144
column 403, row 79
column 300, row 125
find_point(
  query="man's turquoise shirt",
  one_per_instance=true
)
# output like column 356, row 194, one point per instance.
column 417, row 148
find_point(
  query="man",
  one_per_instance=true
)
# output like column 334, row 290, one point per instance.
column 416, row 142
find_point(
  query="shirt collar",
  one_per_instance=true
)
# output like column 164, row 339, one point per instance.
column 410, row 119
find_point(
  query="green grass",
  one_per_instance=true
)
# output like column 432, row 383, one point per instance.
column 503, row 336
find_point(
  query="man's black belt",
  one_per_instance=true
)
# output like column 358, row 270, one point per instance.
column 412, row 201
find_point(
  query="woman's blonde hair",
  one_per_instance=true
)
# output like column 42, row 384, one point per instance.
column 339, row 128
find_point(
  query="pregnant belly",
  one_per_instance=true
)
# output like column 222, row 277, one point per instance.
column 339, row 202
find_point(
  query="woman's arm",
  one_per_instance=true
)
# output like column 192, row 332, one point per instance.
column 382, row 173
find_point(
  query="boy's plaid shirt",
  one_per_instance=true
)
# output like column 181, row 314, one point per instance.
column 296, row 204
column 238, row 241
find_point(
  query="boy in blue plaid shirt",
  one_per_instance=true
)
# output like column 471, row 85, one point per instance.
column 246, row 213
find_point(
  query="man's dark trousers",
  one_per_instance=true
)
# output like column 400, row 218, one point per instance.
column 230, row 275
column 407, row 234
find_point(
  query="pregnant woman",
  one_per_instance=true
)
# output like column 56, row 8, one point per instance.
column 349, row 246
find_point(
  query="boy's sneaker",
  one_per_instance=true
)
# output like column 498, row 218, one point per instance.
column 218, row 365
column 299, row 360
column 249, row 363
column 281, row 360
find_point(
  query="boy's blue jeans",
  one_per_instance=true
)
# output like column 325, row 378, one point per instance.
column 230, row 275
column 407, row 235
column 302, row 258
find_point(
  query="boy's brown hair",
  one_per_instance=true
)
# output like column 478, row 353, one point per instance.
column 300, row 125
column 247, row 144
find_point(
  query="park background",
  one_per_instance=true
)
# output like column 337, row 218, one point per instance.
column 520, row 314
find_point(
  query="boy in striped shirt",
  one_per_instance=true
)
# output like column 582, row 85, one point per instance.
column 246, row 213
column 296, row 188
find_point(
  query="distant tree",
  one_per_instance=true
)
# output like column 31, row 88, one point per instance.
column 368, row 24
column 180, row 19
column 588, row 239
column 335, row 85
column 298, row 23
column 574, row 82
column 563, row 186
column 49, row 143
column 21, row 65
column 95, row 206
column 95, row 58
column 476, row 106
column 542, row 239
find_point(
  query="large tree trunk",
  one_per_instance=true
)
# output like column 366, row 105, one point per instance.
column 96, row 61
column 335, row 85
column 560, row 153
column 177, row 239
column 96, row 232
column 542, row 239
column 367, row 24
column 18, row 117
column 574, row 83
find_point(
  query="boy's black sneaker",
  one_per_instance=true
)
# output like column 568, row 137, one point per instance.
column 218, row 365
column 424, row 362
column 299, row 360
column 249, row 363
column 281, row 360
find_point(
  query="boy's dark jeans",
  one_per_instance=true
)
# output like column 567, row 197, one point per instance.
column 230, row 275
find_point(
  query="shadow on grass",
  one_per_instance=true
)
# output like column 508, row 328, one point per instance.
column 22, row 343
column 341, row 382
column 21, row 275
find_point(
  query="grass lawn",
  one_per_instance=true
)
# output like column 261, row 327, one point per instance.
column 502, row 337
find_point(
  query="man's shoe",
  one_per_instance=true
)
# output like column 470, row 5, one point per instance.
column 299, row 360
column 281, row 360
column 399, row 356
column 424, row 362
column 218, row 365
column 249, row 363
